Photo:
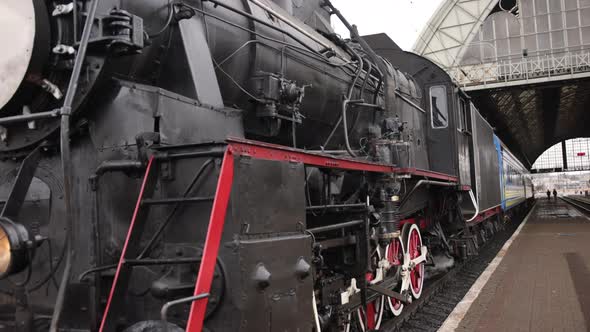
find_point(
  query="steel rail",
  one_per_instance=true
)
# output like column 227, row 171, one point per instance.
column 578, row 203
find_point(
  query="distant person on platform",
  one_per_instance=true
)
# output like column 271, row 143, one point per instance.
column 548, row 194
column 555, row 194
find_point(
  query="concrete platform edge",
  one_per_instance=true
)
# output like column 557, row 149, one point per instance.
column 457, row 315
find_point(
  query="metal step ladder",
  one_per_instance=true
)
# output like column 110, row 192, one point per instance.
column 131, row 254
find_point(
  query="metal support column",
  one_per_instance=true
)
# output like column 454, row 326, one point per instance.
column 564, row 155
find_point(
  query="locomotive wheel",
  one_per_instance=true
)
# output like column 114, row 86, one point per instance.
column 358, row 321
column 395, row 252
column 413, row 240
column 370, row 319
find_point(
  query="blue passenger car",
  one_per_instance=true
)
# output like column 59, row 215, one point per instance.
column 515, row 180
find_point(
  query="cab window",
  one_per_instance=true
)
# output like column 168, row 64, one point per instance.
column 463, row 115
column 438, row 107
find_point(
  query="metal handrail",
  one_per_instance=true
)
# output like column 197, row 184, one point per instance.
column 523, row 68
column 65, row 112
column 167, row 305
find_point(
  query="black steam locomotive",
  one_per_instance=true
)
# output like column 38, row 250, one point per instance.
column 229, row 165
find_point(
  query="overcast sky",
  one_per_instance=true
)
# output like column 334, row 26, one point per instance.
column 402, row 20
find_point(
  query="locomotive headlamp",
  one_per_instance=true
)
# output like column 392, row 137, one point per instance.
column 15, row 247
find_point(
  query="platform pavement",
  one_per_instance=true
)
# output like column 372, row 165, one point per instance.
column 542, row 283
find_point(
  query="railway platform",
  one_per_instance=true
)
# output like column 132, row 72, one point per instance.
column 539, row 281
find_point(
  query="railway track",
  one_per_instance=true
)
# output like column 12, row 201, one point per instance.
column 442, row 295
column 581, row 204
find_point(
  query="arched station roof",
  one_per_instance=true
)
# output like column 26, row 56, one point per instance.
column 525, row 63
column 449, row 31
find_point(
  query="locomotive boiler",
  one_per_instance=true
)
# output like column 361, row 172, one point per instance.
column 228, row 165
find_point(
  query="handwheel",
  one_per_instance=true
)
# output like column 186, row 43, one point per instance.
column 413, row 240
column 395, row 252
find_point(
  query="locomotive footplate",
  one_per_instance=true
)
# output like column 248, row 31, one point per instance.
column 261, row 150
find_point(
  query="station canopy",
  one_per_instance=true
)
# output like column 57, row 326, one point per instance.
column 525, row 63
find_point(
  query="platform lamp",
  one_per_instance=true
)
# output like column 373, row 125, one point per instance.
column 17, row 247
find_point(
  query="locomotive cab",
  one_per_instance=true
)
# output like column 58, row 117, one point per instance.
column 459, row 139
column 446, row 126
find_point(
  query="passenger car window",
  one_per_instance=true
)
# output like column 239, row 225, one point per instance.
column 438, row 107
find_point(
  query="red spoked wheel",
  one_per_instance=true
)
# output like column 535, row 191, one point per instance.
column 413, row 241
column 370, row 319
column 395, row 252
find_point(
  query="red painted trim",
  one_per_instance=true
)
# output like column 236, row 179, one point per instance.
column 464, row 188
column 424, row 223
column 129, row 231
column 212, row 242
column 425, row 173
column 261, row 150
column 486, row 214
column 420, row 221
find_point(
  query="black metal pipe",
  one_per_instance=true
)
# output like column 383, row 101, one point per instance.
column 187, row 155
column 167, row 305
column 83, row 275
column 332, row 132
column 379, row 289
column 334, row 227
column 257, row 20
column 411, row 103
column 338, row 242
column 162, row 261
column 419, row 184
column 338, row 206
column 372, row 55
column 30, row 117
column 314, row 54
column 118, row 165
column 290, row 23
column 360, row 65
column 188, row 145
column 345, row 125
column 114, row 166
column 360, row 96
column 363, row 104
column 328, row 151
column 66, row 111
column 165, row 201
